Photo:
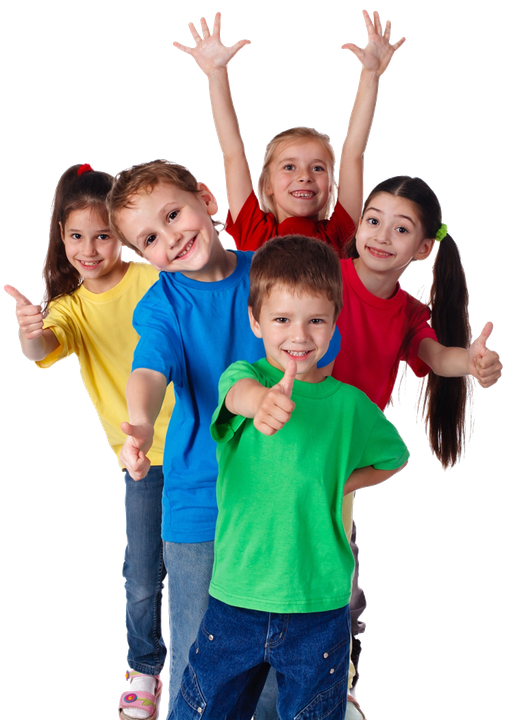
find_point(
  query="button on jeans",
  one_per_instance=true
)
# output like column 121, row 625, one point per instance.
column 144, row 572
column 229, row 662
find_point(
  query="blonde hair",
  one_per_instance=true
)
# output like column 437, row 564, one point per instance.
column 300, row 133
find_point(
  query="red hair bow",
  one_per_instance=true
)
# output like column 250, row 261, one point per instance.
column 84, row 168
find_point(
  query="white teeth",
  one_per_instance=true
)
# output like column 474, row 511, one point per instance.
column 90, row 264
column 297, row 354
column 186, row 249
column 303, row 194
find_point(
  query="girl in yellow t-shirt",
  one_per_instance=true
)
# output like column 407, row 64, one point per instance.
column 91, row 293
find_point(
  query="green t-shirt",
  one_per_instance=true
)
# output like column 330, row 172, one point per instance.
column 280, row 544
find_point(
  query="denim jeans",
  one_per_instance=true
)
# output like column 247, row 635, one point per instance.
column 144, row 572
column 189, row 567
column 229, row 662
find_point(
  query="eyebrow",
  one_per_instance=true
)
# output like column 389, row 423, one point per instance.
column 289, row 159
column 377, row 210
column 99, row 231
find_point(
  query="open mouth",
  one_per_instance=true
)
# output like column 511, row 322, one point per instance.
column 298, row 354
column 186, row 249
column 89, row 265
column 378, row 253
column 303, row 194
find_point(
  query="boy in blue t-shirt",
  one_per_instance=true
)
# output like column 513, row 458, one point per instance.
column 193, row 323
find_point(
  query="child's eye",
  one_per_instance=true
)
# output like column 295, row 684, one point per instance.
column 372, row 221
column 319, row 168
column 281, row 320
column 149, row 240
column 173, row 215
column 102, row 236
column 289, row 166
column 317, row 321
column 402, row 230
column 76, row 236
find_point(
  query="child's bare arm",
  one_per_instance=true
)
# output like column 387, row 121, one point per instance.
column 212, row 57
column 375, row 58
column 271, row 408
column 36, row 343
column 145, row 394
column 368, row 476
column 477, row 360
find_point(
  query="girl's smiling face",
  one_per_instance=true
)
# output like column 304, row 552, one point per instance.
column 92, row 249
column 301, row 178
column 389, row 236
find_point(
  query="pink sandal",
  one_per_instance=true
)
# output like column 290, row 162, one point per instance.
column 142, row 700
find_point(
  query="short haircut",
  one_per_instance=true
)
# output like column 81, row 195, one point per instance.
column 145, row 177
column 301, row 264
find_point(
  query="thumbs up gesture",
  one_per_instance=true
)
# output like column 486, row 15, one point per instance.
column 30, row 317
column 485, row 364
column 277, row 406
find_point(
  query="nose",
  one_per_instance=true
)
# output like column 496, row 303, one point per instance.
column 299, row 333
column 89, row 247
column 173, row 237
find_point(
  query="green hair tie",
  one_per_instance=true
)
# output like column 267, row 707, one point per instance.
column 442, row 232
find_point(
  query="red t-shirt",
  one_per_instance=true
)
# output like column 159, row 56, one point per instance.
column 253, row 227
column 373, row 332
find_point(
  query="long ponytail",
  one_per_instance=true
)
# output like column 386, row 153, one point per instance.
column 75, row 190
column 445, row 399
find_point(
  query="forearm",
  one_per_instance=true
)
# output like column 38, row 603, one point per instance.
column 444, row 361
column 145, row 394
column 237, row 172
column 244, row 398
column 368, row 476
column 38, row 348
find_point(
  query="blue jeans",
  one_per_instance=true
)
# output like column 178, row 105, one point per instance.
column 144, row 572
column 189, row 567
column 235, row 647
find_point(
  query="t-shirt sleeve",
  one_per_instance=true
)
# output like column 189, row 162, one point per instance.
column 61, row 325
column 223, row 423
column 156, row 324
column 419, row 329
column 253, row 227
column 384, row 449
column 340, row 227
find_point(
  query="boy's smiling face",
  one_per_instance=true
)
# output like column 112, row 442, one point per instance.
column 295, row 326
column 173, row 229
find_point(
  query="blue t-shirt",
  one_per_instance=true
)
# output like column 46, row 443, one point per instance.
column 191, row 332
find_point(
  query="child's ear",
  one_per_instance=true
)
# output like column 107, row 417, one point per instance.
column 254, row 324
column 208, row 198
column 424, row 249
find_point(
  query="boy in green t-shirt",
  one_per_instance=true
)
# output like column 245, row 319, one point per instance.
column 291, row 444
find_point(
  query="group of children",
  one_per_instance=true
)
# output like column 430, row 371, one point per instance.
column 281, row 363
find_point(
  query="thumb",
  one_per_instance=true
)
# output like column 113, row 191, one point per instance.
column 480, row 342
column 286, row 383
column 128, row 429
column 16, row 294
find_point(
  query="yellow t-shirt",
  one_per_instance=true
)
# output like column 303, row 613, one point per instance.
column 98, row 329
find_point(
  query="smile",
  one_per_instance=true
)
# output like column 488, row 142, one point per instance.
column 306, row 194
column 298, row 354
column 90, row 264
column 186, row 249
column 379, row 253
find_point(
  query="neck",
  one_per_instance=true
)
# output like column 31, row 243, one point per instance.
column 382, row 285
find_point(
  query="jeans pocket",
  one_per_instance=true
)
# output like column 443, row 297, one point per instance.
column 190, row 695
column 327, row 705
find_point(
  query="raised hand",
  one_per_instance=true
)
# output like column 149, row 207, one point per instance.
column 377, row 54
column 137, row 444
column 277, row 406
column 210, row 54
column 30, row 317
column 486, row 366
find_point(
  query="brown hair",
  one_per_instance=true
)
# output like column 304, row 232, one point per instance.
column 145, row 177
column 296, row 133
column 73, row 192
column 300, row 263
column 445, row 398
